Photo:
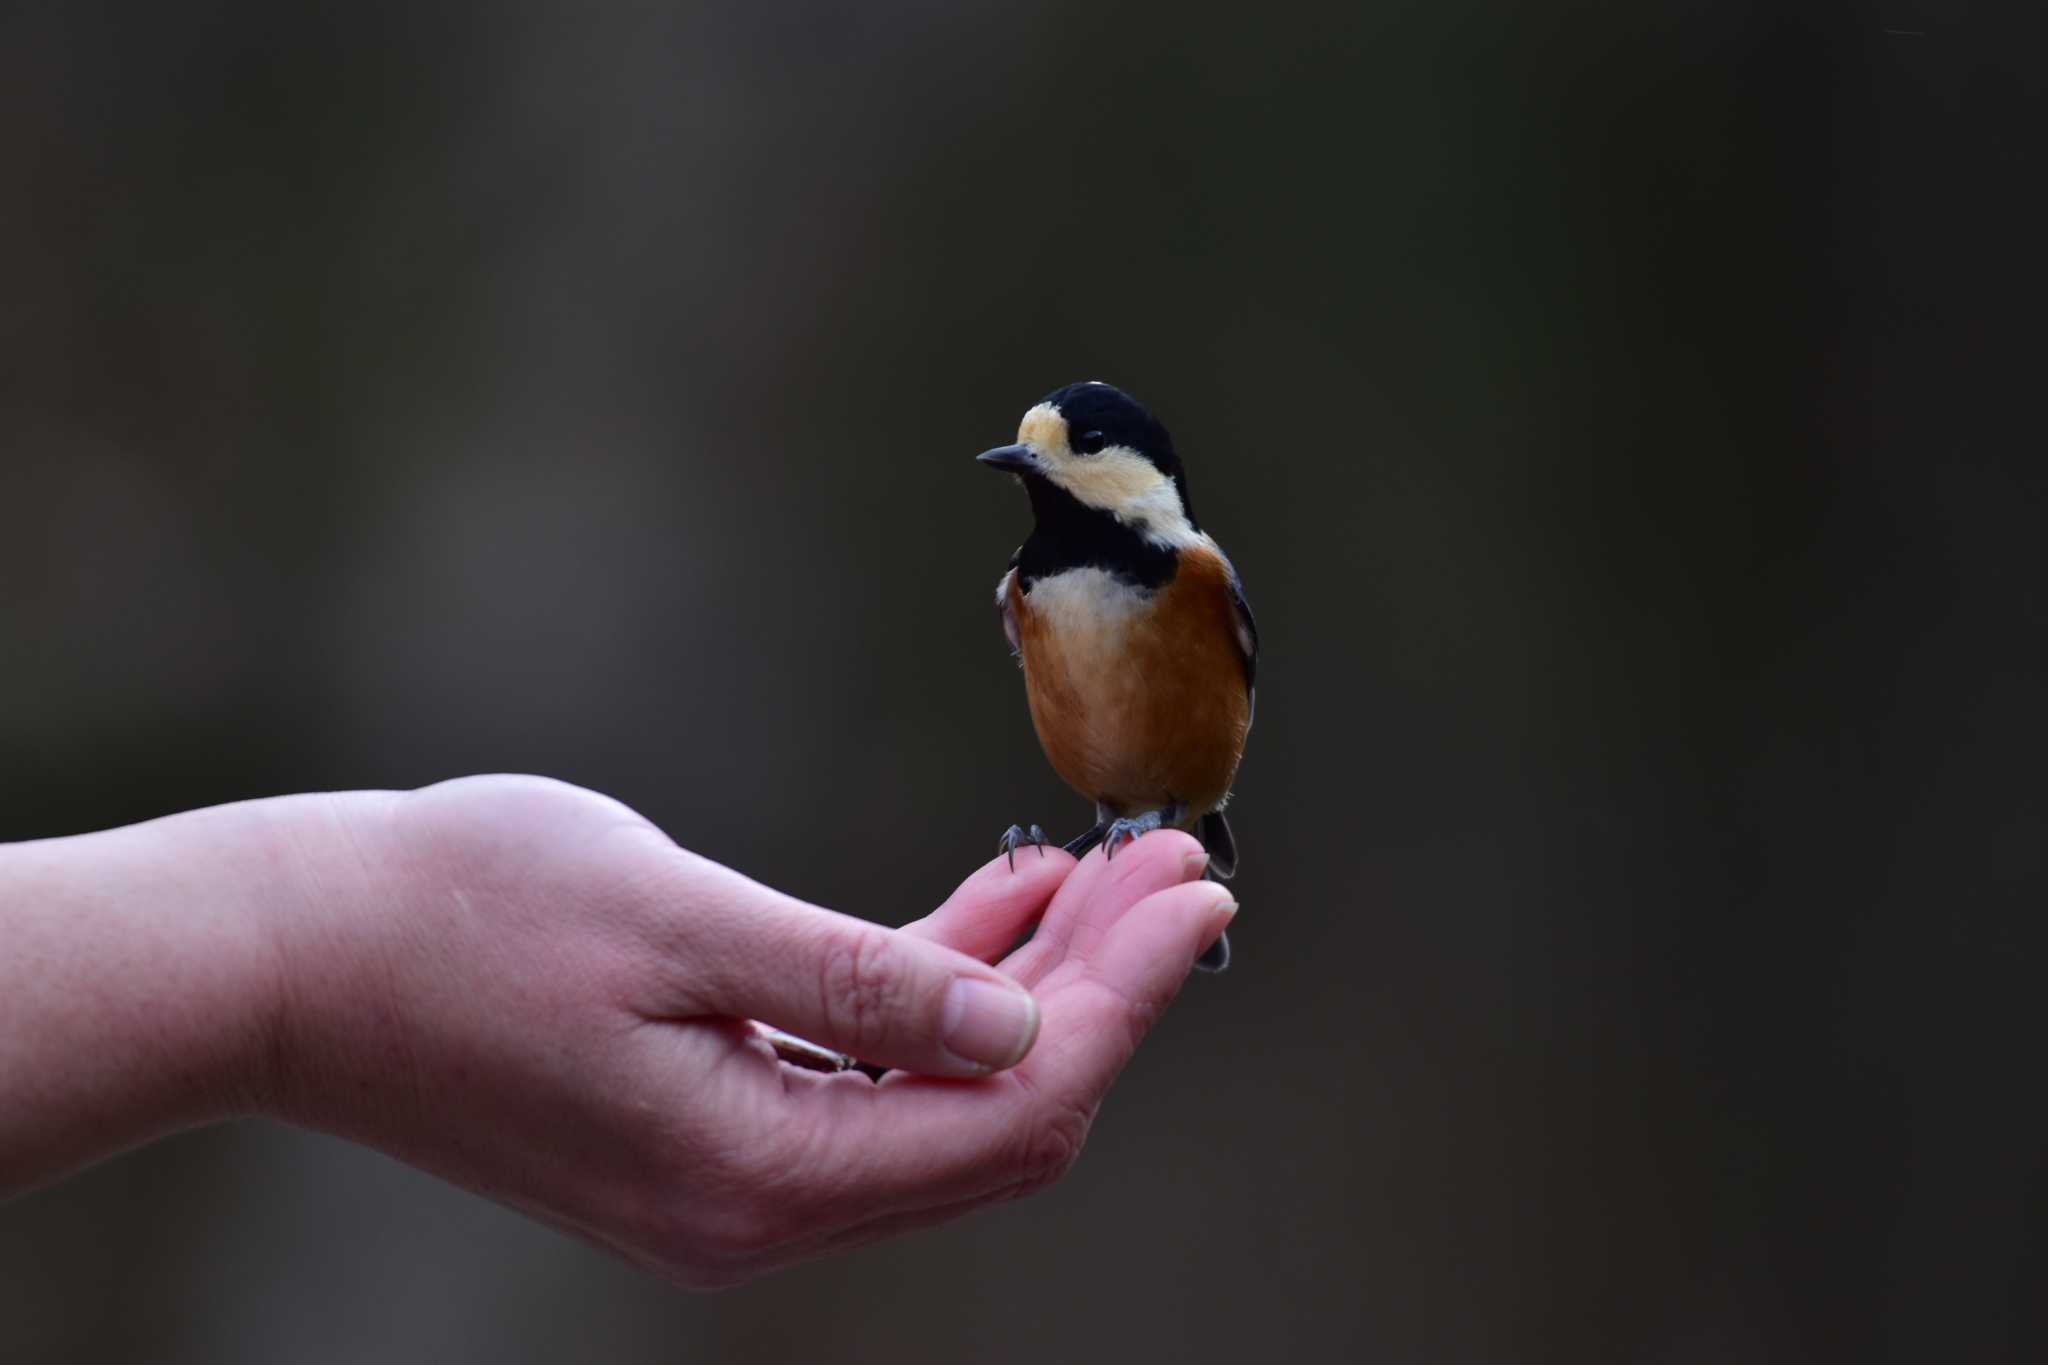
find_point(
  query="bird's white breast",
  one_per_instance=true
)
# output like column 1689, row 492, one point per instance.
column 1085, row 622
column 1080, row 603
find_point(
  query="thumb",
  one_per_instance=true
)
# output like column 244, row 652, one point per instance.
column 886, row 997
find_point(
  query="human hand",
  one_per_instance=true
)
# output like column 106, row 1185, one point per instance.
column 528, row 989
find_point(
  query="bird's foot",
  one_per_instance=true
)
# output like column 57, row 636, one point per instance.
column 1016, row 837
column 1127, row 829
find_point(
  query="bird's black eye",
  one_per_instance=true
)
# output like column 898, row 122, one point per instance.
column 1088, row 442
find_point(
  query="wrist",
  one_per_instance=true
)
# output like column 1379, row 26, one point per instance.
column 252, row 910
column 146, row 983
column 327, row 888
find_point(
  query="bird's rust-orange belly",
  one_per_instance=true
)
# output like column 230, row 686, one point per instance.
column 1139, row 699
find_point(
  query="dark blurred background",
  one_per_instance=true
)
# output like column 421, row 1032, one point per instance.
column 1626, row 419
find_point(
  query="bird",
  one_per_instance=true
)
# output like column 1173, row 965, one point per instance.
column 1139, row 651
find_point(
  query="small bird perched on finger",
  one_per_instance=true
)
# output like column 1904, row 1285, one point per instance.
column 1139, row 651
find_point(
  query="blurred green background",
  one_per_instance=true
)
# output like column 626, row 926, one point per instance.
column 1626, row 420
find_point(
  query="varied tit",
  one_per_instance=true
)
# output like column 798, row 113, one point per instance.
column 1139, row 651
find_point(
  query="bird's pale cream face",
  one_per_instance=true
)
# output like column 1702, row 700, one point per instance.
column 1116, row 479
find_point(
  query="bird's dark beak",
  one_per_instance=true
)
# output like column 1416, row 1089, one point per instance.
column 1010, row 459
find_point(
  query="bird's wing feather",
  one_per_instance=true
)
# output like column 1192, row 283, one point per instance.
column 1247, row 632
column 1248, row 642
column 1004, row 611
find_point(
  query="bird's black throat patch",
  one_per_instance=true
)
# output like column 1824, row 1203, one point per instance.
column 1072, row 535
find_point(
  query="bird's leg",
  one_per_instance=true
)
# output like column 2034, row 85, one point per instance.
column 1128, row 828
column 1087, row 839
column 1080, row 844
column 1016, row 837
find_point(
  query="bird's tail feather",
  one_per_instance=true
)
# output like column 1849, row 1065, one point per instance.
column 1214, row 832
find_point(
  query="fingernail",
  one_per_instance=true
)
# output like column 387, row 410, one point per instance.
column 1194, row 865
column 1228, row 910
column 987, row 1025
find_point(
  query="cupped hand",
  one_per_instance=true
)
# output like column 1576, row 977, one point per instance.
column 544, row 1000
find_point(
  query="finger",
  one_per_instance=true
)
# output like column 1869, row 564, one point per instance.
column 1099, row 892
column 911, row 1143
column 1101, row 1001
column 884, row 996
column 993, row 907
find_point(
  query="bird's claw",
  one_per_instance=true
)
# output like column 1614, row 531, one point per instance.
column 1126, row 831
column 1015, row 837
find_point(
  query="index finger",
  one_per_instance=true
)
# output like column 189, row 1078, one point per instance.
column 990, row 911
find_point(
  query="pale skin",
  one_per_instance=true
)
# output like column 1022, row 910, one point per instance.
column 527, row 989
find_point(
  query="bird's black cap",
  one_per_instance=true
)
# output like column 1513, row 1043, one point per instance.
column 1100, row 415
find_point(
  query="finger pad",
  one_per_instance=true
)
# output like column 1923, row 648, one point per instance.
column 1149, row 953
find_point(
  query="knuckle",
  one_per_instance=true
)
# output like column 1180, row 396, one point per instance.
column 860, row 989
